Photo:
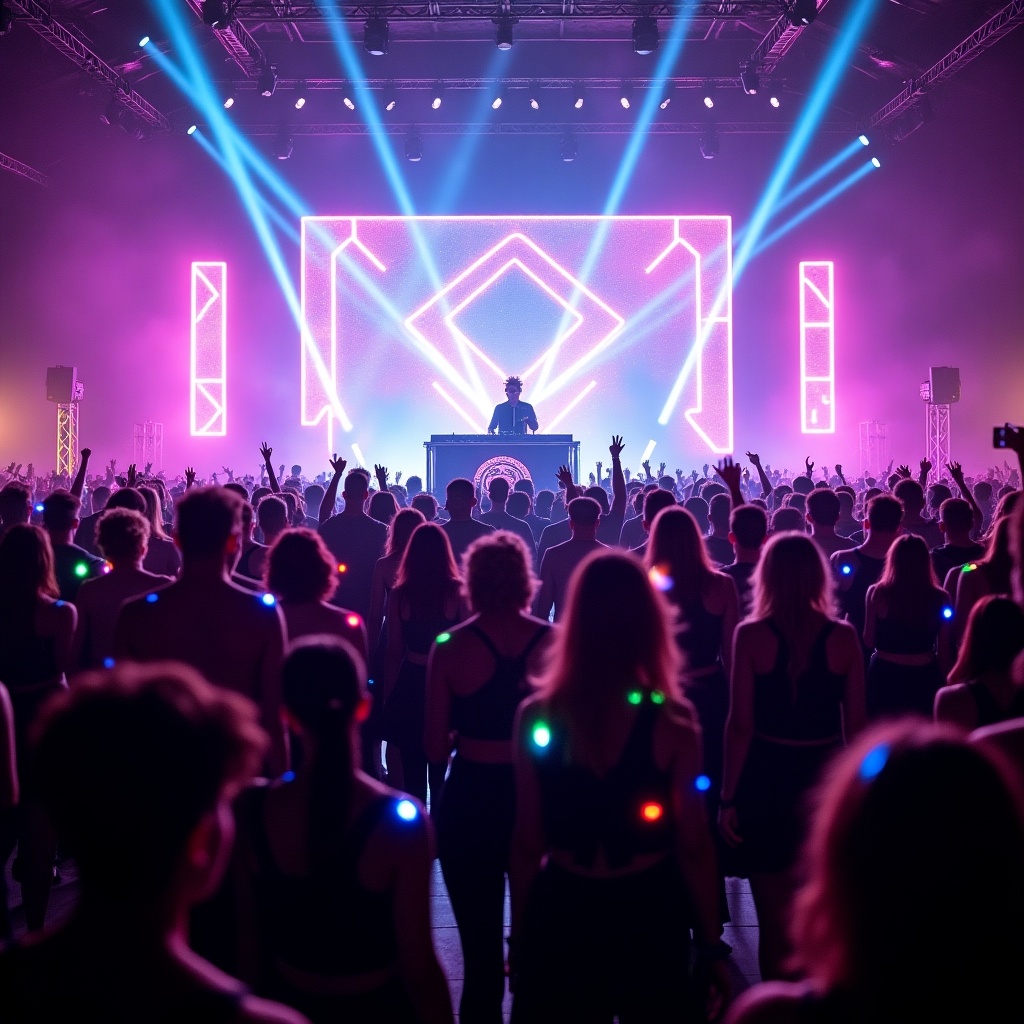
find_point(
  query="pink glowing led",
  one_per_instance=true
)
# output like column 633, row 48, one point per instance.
column 817, row 347
column 208, row 367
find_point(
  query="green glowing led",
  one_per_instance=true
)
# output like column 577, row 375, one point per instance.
column 970, row 567
column 443, row 638
column 541, row 735
column 81, row 569
column 634, row 696
column 657, row 697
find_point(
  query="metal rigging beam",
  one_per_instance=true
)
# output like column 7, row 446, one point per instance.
column 244, row 50
column 41, row 21
column 777, row 43
column 8, row 163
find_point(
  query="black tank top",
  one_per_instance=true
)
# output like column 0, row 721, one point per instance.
column 326, row 925
column 988, row 711
column 626, row 812
column 488, row 713
column 806, row 709
column 699, row 636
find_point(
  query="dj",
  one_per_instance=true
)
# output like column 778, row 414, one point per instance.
column 513, row 416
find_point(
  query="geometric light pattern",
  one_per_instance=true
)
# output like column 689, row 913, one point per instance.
column 208, row 373
column 817, row 347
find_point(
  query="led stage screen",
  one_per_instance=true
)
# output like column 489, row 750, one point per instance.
column 615, row 324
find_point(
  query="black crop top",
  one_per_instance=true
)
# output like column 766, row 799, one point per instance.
column 699, row 636
column 626, row 812
column 896, row 635
column 328, row 925
column 807, row 710
column 488, row 713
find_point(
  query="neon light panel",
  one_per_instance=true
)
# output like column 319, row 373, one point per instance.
column 817, row 347
column 412, row 323
column 208, row 368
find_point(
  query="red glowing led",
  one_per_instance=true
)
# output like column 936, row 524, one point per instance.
column 353, row 620
column 651, row 811
column 342, row 567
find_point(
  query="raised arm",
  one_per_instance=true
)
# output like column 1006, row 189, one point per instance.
column 730, row 474
column 808, row 468
column 381, row 473
column 957, row 473
column 83, row 464
column 922, row 476
column 266, row 451
column 566, row 480
column 618, row 479
column 766, row 484
column 330, row 497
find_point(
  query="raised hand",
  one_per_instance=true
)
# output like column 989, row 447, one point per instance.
column 661, row 469
column 679, row 475
column 266, row 451
column 338, row 465
column 10, row 468
column 730, row 473
column 693, row 476
column 280, row 470
column 190, row 477
column 808, row 465
column 955, row 471
column 615, row 449
column 398, row 476
column 598, row 468
column 903, row 471
column 113, row 465
column 86, row 454
column 132, row 474
column 839, row 470
column 381, row 473
column 647, row 467
column 706, row 468
column 926, row 466
column 824, row 472
column 564, row 477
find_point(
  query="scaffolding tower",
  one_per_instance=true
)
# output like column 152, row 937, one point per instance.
column 937, row 436
column 148, row 445
column 874, row 446
column 67, row 437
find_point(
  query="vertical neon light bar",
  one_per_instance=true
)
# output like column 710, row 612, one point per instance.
column 208, row 370
column 817, row 347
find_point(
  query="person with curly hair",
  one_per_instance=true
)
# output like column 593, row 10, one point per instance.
column 512, row 416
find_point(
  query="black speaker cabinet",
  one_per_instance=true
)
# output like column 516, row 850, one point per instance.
column 945, row 384
column 60, row 384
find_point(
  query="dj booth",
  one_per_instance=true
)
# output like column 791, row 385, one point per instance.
column 478, row 457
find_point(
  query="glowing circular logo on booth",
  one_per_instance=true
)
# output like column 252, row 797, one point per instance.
column 501, row 465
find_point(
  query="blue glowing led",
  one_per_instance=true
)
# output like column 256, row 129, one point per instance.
column 39, row 508
column 874, row 761
column 703, row 783
column 269, row 600
column 152, row 598
column 947, row 612
column 59, row 604
column 541, row 735
column 288, row 777
column 406, row 810
column 846, row 570
column 108, row 662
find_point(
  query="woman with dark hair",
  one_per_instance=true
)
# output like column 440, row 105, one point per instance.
column 383, row 507
column 301, row 574
column 424, row 603
column 137, row 768
column 989, row 575
column 797, row 694
column 36, row 634
column 475, row 682
column 906, row 624
column 916, row 843
column 708, row 607
column 385, row 571
column 981, row 690
column 334, row 868
column 162, row 557
column 612, row 860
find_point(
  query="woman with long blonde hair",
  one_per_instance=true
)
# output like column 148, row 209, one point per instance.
column 797, row 695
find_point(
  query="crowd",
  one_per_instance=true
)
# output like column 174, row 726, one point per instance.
column 254, row 709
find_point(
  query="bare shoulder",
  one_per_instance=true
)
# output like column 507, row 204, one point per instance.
column 254, row 1010
column 773, row 1002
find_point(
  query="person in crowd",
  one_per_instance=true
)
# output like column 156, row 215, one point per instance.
column 542, row 506
column 424, row 604
column 15, row 505
column 910, row 495
column 426, row 505
column 847, row 524
column 823, row 510
column 233, row 637
column 302, row 576
column 85, row 535
column 355, row 540
column 560, row 561
column 788, row 520
column 462, row 529
column 72, row 564
column 250, row 554
column 136, row 768
column 698, row 508
column 988, row 575
column 122, row 536
column 312, row 497
column 707, row 609
column 385, row 572
column 10, row 796
column 917, row 840
column 36, row 633
column 633, row 534
column 748, row 530
column 718, row 543
column 907, row 626
column 982, row 492
column 797, row 695
column 655, row 500
column 333, row 868
column 520, row 506
column 955, row 522
column 162, row 557
column 500, row 519
column 272, row 518
column 612, row 860
column 981, row 689
column 475, row 681
column 383, row 507
column 859, row 568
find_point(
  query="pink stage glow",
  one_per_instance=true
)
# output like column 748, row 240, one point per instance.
column 208, row 368
column 415, row 322
column 817, row 347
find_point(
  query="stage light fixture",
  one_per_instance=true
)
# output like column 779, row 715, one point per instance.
column 803, row 12
column 577, row 96
column 300, row 95
column 748, row 79
column 709, row 97
column 863, row 139
column 875, row 162
column 667, row 95
column 216, row 13
column 569, row 148
column 503, row 34
column 645, row 35
column 6, row 19
column 266, row 83
column 709, row 144
column 143, row 42
column 192, row 129
column 437, row 96
column 375, row 36
column 283, row 146
column 499, row 98
column 534, row 95
column 390, row 98
column 413, row 147
column 348, row 95
column 626, row 96
column 230, row 98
